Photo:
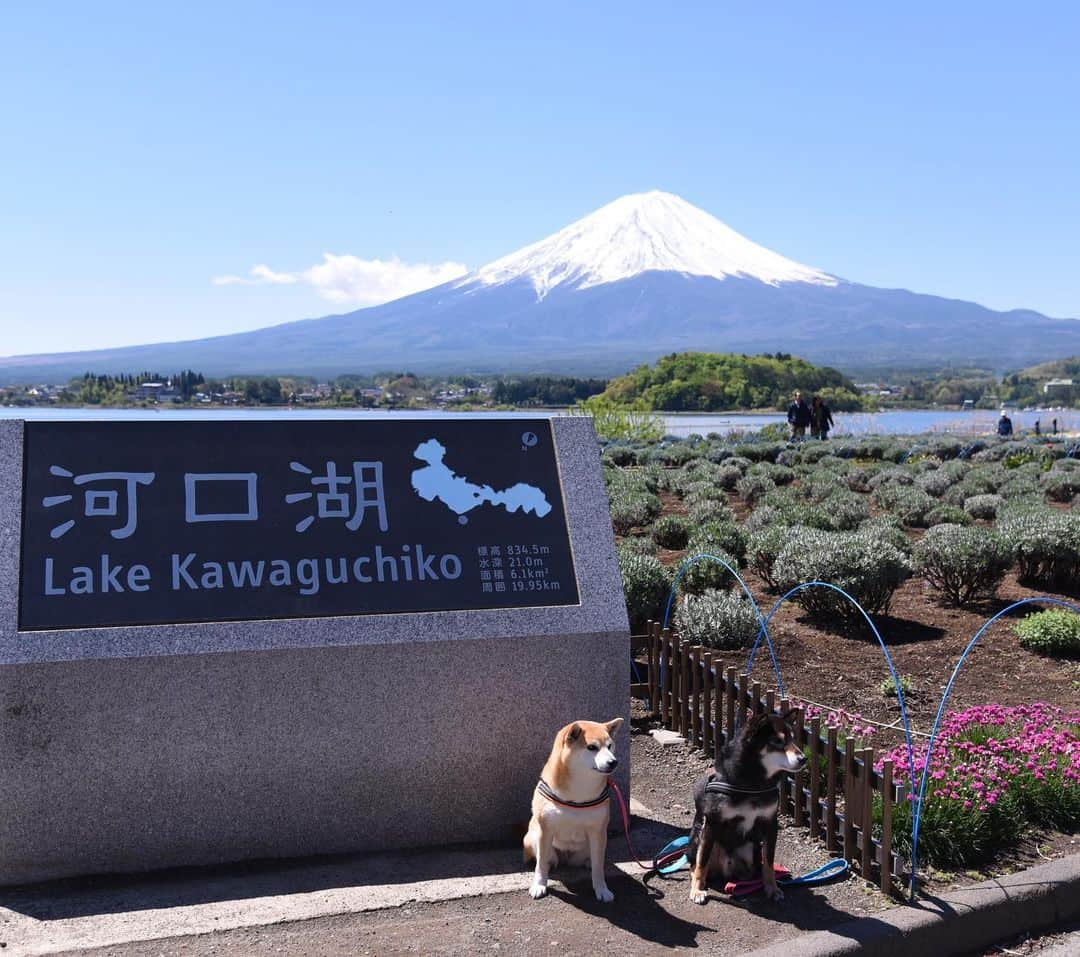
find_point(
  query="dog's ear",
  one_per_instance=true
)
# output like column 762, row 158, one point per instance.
column 754, row 725
column 613, row 725
column 573, row 733
column 792, row 718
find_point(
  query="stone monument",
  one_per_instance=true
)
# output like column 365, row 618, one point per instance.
column 237, row 639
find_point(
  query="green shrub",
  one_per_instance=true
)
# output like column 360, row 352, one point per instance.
column 963, row 564
column 944, row 447
column 763, row 548
column 911, row 505
column 888, row 686
column 935, row 483
column 862, row 564
column 671, row 531
column 858, row 479
column 725, row 536
column 810, row 453
column 891, row 476
column 620, row 455
column 671, row 454
column 1019, row 484
column 696, row 471
column 1047, row 546
column 762, row 451
column 753, row 487
column 701, row 491
column 983, row 506
column 645, row 586
column 780, row 474
column 708, row 575
column 1061, row 486
column 631, row 509
column 842, row 512
column 947, row 515
column 887, row 528
column 706, row 511
column 636, row 545
column 1055, row 631
column 717, row 619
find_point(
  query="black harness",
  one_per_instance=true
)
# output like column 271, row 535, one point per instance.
column 715, row 786
column 545, row 789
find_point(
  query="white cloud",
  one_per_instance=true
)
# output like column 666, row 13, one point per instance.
column 355, row 281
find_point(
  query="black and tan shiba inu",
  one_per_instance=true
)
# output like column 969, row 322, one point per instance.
column 570, row 807
column 736, row 805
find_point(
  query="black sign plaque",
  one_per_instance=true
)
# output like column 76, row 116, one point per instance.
column 137, row 523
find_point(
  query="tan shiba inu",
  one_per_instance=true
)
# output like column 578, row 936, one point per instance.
column 570, row 807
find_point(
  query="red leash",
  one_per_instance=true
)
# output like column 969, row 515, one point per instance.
column 655, row 865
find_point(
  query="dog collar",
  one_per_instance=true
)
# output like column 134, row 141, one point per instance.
column 545, row 789
column 722, row 787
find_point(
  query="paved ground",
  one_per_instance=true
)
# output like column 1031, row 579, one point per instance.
column 1064, row 942
column 464, row 901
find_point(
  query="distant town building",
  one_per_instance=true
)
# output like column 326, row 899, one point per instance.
column 1057, row 385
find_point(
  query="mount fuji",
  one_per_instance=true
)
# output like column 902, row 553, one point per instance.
column 646, row 275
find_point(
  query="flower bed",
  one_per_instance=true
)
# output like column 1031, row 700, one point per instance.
column 996, row 772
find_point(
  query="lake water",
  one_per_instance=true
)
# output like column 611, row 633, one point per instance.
column 847, row 423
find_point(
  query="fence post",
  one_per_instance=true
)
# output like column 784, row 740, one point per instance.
column 695, row 700
column 743, row 695
column 706, row 703
column 868, row 815
column 684, row 690
column 831, row 842
column 886, row 826
column 718, row 706
column 654, row 668
column 730, row 691
column 665, row 689
column 755, row 696
column 850, row 850
column 815, row 777
column 677, row 684
column 785, row 780
column 800, row 776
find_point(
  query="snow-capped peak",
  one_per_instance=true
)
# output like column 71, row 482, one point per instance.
column 640, row 232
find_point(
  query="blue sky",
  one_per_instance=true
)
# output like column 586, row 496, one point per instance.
column 149, row 148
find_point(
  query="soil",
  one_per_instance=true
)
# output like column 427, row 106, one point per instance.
column 843, row 667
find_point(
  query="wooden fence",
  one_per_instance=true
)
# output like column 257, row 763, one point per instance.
column 692, row 691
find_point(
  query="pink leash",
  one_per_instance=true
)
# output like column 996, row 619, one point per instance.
column 743, row 888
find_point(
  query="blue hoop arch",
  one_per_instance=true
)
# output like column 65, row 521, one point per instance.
column 764, row 632
column 916, row 817
column 881, row 643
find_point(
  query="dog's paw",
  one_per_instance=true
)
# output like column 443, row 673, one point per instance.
column 699, row 897
column 603, row 894
column 537, row 890
column 774, row 894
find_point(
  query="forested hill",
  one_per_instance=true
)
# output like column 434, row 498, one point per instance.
column 714, row 382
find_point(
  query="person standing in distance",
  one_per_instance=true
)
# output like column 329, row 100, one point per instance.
column 798, row 416
column 820, row 418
